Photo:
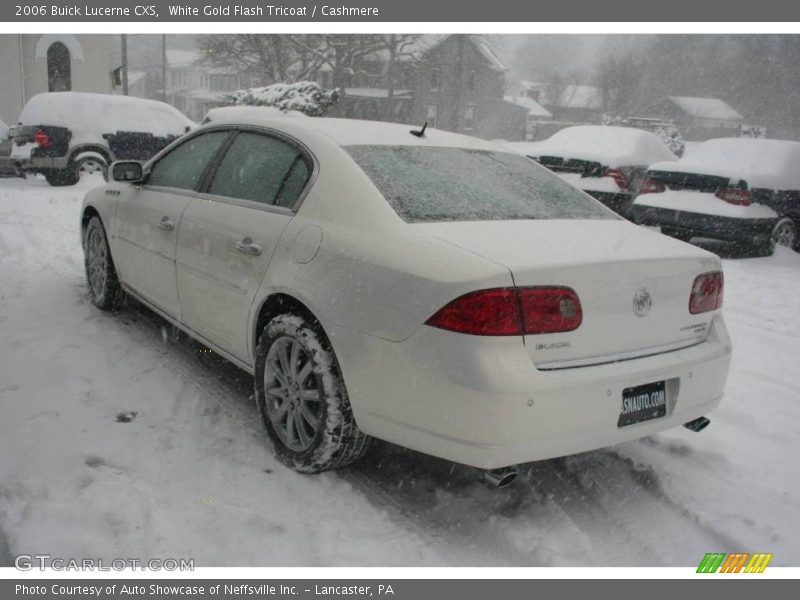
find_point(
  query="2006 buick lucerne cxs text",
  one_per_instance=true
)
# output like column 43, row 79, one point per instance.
column 432, row 290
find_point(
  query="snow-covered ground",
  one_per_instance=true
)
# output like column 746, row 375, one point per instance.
column 119, row 438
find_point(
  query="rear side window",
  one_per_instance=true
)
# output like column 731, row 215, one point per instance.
column 261, row 168
column 424, row 183
column 182, row 166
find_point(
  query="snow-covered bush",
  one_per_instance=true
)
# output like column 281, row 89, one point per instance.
column 666, row 130
column 306, row 97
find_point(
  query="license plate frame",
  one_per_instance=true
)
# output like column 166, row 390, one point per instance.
column 641, row 403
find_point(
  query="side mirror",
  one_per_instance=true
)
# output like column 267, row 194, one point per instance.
column 127, row 171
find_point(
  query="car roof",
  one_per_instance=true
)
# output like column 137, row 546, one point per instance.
column 354, row 132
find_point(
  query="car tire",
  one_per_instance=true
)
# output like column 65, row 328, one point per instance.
column 62, row 178
column 784, row 234
column 104, row 288
column 302, row 397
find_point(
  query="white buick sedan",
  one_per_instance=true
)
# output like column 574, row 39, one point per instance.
column 420, row 287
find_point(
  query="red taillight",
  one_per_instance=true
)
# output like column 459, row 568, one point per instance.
column 41, row 138
column 706, row 294
column 736, row 196
column 549, row 309
column 618, row 176
column 511, row 311
column 652, row 186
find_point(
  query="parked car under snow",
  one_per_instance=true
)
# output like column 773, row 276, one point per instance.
column 65, row 134
column 738, row 190
column 607, row 162
column 432, row 290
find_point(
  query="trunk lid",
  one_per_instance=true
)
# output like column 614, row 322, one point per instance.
column 613, row 266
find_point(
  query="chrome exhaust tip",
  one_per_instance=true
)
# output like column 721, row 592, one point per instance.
column 698, row 424
column 500, row 478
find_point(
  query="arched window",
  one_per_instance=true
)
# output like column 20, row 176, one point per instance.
column 59, row 69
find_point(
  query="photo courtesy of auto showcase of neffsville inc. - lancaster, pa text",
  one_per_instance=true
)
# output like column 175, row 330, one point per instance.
column 402, row 301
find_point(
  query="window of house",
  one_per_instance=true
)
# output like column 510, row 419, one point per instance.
column 469, row 116
column 182, row 167
column 435, row 79
column 432, row 113
column 59, row 69
column 471, row 78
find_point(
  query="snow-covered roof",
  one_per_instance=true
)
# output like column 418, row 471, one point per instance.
column 481, row 45
column 136, row 76
column 612, row 146
column 706, row 108
column 375, row 93
column 566, row 96
column 534, row 108
column 182, row 58
column 762, row 163
column 354, row 132
column 89, row 116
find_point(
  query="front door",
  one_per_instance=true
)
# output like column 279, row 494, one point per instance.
column 148, row 220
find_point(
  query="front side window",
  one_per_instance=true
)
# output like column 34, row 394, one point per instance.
column 424, row 183
column 261, row 169
column 183, row 166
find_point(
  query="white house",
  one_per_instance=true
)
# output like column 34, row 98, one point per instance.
column 35, row 63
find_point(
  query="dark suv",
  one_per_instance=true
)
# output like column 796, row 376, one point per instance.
column 65, row 134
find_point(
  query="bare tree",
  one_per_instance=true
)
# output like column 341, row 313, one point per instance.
column 619, row 80
column 398, row 47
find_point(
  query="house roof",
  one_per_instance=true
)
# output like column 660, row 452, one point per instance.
column 181, row 58
column 566, row 96
column 481, row 45
column 534, row 108
column 375, row 93
column 705, row 108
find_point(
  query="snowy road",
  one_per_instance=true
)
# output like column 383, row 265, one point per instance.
column 121, row 438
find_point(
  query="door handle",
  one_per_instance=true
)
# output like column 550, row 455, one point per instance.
column 248, row 246
column 166, row 224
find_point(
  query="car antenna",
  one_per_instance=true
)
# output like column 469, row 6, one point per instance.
column 419, row 132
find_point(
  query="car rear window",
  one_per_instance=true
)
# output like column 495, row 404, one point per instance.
column 424, row 183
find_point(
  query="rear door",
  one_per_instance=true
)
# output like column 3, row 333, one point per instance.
column 229, row 233
column 148, row 219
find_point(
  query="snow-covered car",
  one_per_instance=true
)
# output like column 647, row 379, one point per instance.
column 733, row 189
column 64, row 134
column 429, row 289
column 607, row 162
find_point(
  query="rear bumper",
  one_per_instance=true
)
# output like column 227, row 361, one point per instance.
column 691, row 224
column 481, row 402
column 37, row 164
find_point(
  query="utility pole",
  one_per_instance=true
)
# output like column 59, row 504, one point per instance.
column 164, row 65
column 124, row 51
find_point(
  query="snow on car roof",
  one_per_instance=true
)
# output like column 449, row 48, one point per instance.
column 762, row 163
column 610, row 145
column 245, row 112
column 354, row 132
column 91, row 115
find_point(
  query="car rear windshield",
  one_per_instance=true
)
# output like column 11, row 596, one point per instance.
column 424, row 183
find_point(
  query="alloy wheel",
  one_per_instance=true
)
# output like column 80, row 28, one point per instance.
column 293, row 394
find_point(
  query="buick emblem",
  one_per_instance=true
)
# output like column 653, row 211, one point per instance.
column 642, row 302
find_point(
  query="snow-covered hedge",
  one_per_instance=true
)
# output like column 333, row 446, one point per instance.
column 306, row 97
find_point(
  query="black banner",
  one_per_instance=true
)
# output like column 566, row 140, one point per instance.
column 394, row 11
column 391, row 589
